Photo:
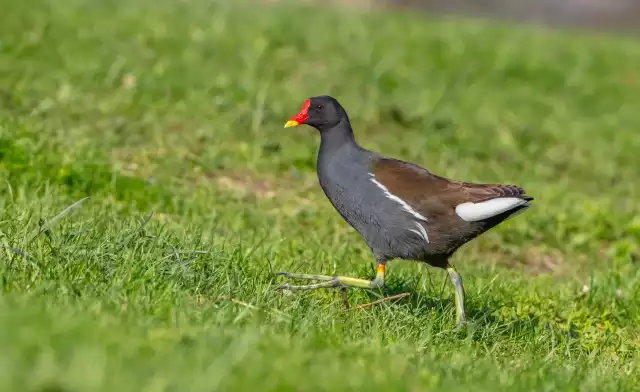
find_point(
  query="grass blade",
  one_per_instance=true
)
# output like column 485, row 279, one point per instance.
column 51, row 223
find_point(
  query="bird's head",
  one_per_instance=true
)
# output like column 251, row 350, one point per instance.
column 321, row 112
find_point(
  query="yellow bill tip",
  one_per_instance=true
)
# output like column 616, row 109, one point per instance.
column 291, row 123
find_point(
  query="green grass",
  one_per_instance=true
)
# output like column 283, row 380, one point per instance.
column 168, row 115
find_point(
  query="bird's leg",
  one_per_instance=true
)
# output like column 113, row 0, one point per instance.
column 335, row 281
column 456, row 281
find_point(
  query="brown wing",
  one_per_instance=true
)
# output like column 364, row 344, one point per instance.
column 432, row 194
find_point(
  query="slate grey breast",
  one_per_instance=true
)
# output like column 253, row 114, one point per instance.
column 400, row 209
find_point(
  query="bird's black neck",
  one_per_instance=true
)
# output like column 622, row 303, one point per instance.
column 337, row 136
column 338, row 146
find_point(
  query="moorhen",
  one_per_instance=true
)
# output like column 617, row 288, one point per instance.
column 400, row 209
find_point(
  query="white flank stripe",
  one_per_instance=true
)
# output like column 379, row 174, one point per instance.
column 472, row 212
column 421, row 231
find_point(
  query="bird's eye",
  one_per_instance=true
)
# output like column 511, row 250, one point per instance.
column 320, row 107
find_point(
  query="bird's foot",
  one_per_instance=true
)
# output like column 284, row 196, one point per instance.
column 332, row 281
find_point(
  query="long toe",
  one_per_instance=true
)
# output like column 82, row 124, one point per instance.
column 324, row 285
column 291, row 275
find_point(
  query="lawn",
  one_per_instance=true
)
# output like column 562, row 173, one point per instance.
column 168, row 116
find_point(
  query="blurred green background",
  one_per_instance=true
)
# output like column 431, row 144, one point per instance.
column 168, row 115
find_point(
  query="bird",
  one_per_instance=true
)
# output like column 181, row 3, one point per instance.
column 400, row 209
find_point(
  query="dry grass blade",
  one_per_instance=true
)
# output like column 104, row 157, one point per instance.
column 391, row 298
column 345, row 298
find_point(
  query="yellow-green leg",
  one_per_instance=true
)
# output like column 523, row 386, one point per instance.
column 456, row 281
column 335, row 281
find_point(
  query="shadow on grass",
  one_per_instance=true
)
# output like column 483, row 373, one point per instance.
column 481, row 315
